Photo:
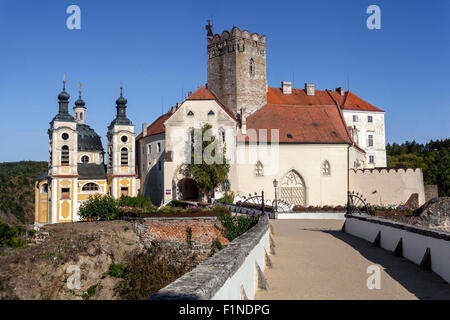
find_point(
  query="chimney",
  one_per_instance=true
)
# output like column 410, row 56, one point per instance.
column 178, row 104
column 340, row 90
column 144, row 129
column 309, row 88
column 173, row 109
column 286, row 86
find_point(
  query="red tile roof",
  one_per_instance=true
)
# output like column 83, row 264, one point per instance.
column 305, row 124
column 299, row 97
column 353, row 102
column 202, row 94
column 157, row 126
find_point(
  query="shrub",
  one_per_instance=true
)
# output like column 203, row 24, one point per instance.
column 234, row 226
column 189, row 237
column 9, row 237
column 216, row 245
column 116, row 270
column 151, row 270
column 100, row 207
column 136, row 202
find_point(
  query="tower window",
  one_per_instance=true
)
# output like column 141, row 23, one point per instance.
column 65, row 155
column 158, row 147
column 124, row 139
column 65, row 136
column 110, row 158
column 124, row 156
column 371, row 159
column 326, row 171
column 65, row 193
column 90, row 187
column 84, row 159
column 44, row 188
column 81, row 115
column 252, row 67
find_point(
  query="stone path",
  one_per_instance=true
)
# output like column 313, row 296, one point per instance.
column 315, row 260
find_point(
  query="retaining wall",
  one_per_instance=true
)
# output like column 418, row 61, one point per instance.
column 415, row 241
column 231, row 274
column 203, row 230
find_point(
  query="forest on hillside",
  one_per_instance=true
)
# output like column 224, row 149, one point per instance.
column 433, row 158
column 17, row 190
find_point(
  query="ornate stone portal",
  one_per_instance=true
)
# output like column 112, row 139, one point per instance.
column 292, row 189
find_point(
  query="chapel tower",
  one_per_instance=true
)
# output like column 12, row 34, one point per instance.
column 237, row 69
column 121, row 168
column 62, row 169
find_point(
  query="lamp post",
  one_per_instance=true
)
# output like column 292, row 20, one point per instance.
column 275, row 185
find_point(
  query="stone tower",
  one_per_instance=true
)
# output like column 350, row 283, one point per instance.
column 237, row 69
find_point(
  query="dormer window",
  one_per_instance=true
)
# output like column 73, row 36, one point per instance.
column 190, row 113
column 84, row 159
column 210, row 113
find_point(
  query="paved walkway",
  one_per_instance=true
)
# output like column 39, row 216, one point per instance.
column 314, row 260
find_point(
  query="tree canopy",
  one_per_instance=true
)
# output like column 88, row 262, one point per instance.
column 209, row 167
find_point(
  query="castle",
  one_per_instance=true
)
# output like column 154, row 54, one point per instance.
column 307, row 140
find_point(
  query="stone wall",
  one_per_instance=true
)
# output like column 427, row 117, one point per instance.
column 431, row 191
column 175, row 230
column 387, row 186
column 231, row 274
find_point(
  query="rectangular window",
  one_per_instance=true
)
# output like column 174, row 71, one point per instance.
column 65, row 193
column 355, row 118
column 370, row 142
column 158, row 147
column 371, row 159
column 149, row 148
column 369, row 119
column 124, row 191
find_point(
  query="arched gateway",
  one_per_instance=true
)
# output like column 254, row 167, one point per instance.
column 183, row 186
column 292, row 189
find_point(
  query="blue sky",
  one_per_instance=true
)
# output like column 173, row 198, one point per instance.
column 158, row 49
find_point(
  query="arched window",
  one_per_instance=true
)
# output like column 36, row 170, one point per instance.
column 64, row 155
column 259, row 169
column 326, row 170
column 84, row 159
column 124, row 156
column 90, row 187
column 81, row 115
column 252, row 67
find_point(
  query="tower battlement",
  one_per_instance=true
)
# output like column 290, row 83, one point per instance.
column 235, row 40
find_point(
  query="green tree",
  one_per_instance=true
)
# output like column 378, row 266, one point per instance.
column 209, row 167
